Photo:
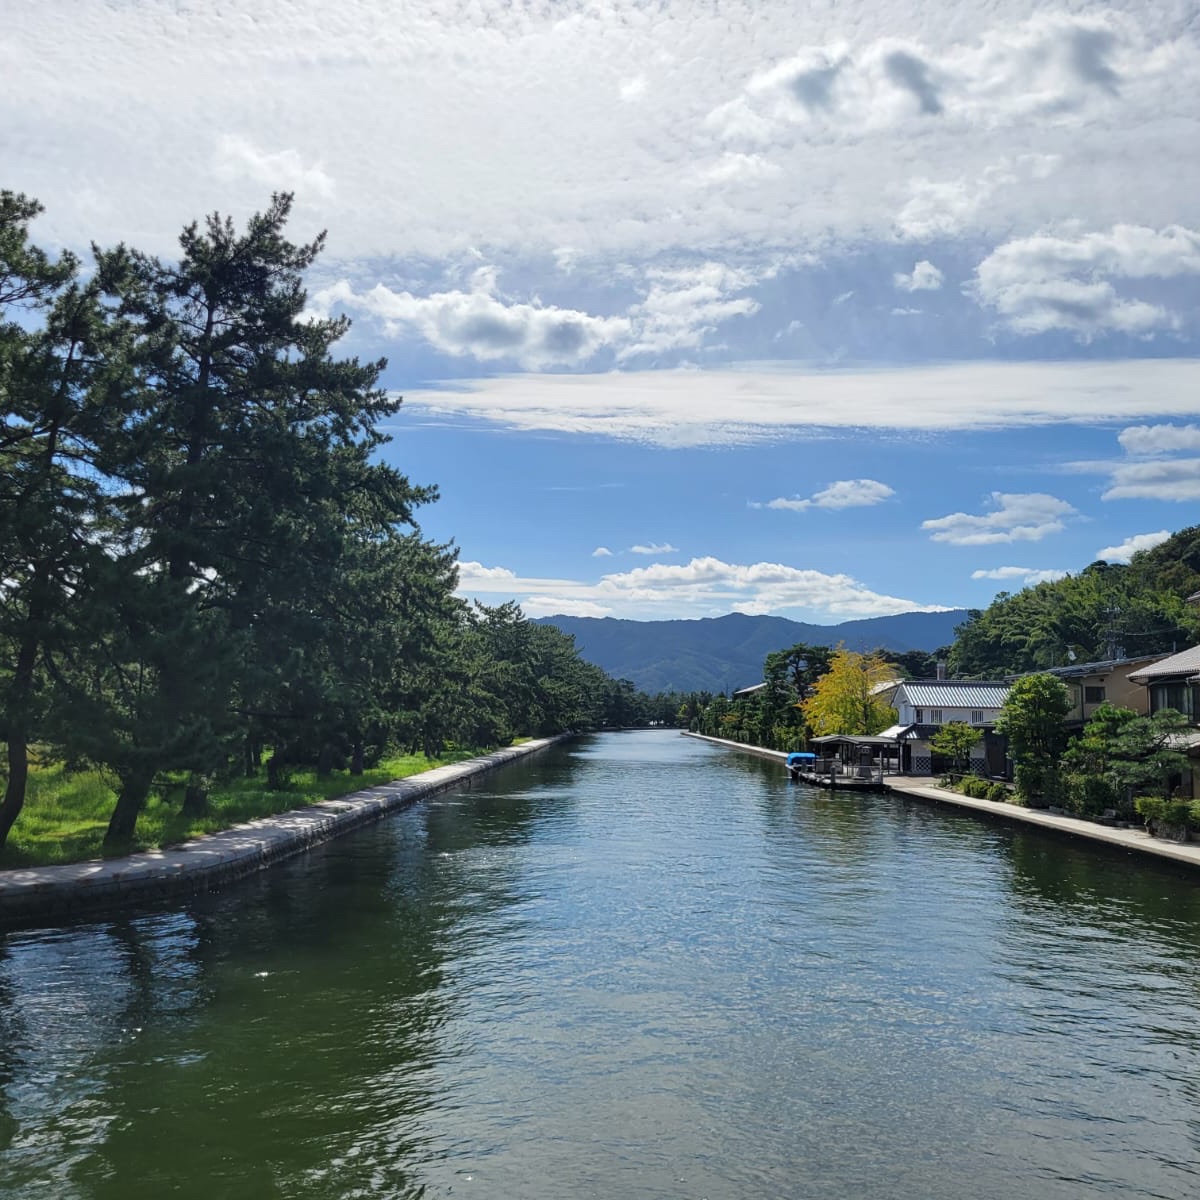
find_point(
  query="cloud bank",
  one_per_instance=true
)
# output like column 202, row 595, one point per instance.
column 704, row 586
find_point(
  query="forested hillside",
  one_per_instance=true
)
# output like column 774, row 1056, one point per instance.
column 1107, row 610
column 724, row 653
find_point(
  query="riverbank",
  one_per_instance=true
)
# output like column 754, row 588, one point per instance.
column 925, row 788
column 45, row 894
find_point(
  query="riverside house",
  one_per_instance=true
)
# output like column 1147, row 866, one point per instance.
column 1109, row 682
column 1174, row 682
column 923, row 706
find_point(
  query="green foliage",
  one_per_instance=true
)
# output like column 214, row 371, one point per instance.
column 1032, row 719
column 955, row 740
column 998, row 793
column 1091, row 795
column 1104, row 610
column 1165, row 817
column 1030, row 780
column 975, row 787
column 1143, row 753
column 67, row 813
column 203, row 554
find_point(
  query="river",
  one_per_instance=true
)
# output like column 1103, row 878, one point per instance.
column 635, row 966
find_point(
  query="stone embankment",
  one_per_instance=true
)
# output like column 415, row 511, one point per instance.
column 922, row 788
column 46, row 894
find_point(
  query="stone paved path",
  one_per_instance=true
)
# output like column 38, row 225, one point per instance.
column 37, row 894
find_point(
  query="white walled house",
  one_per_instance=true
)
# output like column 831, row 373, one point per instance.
column 923, row 706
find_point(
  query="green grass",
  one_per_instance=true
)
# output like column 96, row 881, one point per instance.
column 65, row 815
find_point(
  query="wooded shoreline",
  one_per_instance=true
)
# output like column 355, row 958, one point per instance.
column 49, row 895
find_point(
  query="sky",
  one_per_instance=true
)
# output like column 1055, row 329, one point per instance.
column 695, row 308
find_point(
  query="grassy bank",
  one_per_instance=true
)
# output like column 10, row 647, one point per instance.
column 65, row 814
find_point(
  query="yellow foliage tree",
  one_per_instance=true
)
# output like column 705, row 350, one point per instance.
column 845, row 700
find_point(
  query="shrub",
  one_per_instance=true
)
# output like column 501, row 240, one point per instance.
column 998, row 793
column 1091, row 795
column 975, row 787
column 1167, row 818
column 1030, row 780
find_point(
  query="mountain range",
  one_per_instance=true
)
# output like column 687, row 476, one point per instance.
column 721, row 654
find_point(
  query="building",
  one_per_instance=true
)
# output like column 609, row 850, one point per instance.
column 1174, row 682
column 1108, row 682
column 923, row 706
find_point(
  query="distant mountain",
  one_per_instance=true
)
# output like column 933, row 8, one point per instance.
column 719, row 654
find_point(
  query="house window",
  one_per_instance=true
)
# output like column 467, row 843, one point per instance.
column 1093, row 695
column 935, row 716
column 1178, row 696
column 919, row 716
column 977, row 716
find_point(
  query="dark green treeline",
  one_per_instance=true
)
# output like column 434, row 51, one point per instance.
column 202, row 559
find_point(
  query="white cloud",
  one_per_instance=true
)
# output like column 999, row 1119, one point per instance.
column 1027, row 575
column 845, row 493
column 689, row 407
column 602, row 552
column 1175, row 479
column 1150, row 474
column 683, row 305
column 702, row 587
column 281, row 170
column 654, row 548
column 604, row 129
column 1054, row 69
column 474, row 576
column 925, row 277
column 1018, row 517
column 1159, row 439
column 633, row 89
column 481, row 323
column 554, row 606
column 1042, row 283
column 1124, row 551
column 745, row 167
column 680, row 308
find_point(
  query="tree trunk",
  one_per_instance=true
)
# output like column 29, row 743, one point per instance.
column 357, row 765
column 251, row 755
column 130, row 801
column 274, row 773
column 14, row 793
column 20, row 697
column 195, row 799
column 325, row 762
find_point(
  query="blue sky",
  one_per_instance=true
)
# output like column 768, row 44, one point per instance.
column 829, row 314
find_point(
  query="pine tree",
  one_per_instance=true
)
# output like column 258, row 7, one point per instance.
column 247, row 474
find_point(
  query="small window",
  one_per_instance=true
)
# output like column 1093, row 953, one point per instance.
column 977, row 716
column 935, row 716
column 919, row 716
column 1093, row 695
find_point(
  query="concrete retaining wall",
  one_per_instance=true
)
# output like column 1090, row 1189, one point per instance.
column 36, row 895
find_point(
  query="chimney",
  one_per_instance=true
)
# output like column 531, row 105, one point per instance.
column 941, row 668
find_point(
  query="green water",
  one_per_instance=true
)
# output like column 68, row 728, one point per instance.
column 634, row 967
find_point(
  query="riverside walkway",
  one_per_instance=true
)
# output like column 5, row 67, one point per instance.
column 925, row 788
column 31, row 894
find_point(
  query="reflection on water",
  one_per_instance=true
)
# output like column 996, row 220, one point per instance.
column 636, row 967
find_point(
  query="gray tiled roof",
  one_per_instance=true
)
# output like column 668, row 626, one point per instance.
column 953, row 693
column 1187, row 662
column 1105, row 667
